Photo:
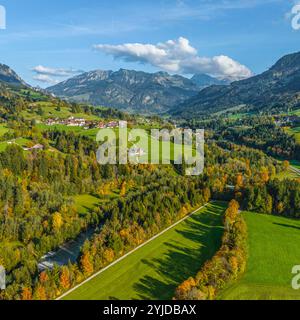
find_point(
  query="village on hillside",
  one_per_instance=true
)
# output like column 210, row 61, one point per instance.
column 85, row 124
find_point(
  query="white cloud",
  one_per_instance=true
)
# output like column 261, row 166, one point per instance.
column 45, row 79
column 49, row 75
column 57, row 72
column 177, row 56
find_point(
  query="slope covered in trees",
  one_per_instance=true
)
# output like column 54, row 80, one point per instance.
column 276, row 89
column 38, row 187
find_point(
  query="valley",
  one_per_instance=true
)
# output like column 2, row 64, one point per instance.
column 149, row 273
column 74, row 229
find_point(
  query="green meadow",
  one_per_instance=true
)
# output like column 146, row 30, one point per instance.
column 19, row 141
column 3, row 130
column 295, row 132
column 273, row 251
column 85, row 203
column 295, row 112
column 50, row 110
column 295, row 164
column 163, row 150
column 156, row 269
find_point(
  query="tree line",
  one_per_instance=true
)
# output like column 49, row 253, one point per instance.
column 226, row 265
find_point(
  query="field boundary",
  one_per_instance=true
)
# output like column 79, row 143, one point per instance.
column 295, row 170
column 132, row 251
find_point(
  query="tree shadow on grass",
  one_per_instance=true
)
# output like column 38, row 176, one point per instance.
column 286, row 225
column 204, row 233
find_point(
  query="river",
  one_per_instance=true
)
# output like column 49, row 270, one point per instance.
column 67, row 252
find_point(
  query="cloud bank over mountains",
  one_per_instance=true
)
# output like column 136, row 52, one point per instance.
column 50, row 75
column 177, row 56
column 174, row 56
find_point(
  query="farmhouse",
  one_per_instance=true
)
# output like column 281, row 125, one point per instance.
column 35, row 147
column 287, row 120
column 112, row 124
column 136, row 152
column 52, row 122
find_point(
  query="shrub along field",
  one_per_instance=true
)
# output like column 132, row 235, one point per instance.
column 273, row 251
column 155, row 270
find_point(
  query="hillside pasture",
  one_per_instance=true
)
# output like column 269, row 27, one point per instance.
column 273, row 251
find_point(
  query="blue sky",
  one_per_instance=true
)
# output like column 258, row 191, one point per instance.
column 62, row 38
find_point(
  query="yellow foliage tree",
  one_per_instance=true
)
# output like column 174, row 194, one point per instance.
column 86, row 264
column 286, row 165
column 264, row 174
column 41, row 293
column 109, row 255
column 26, row 294
column 65, row 278
column 232, row 212
column 57, row 221
column 44, row 277
column 206, row 195
column 123, row 189
column 239, row 181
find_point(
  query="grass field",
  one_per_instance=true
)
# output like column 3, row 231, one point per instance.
column 20, row 141
column 273, row 251
column 156, row 269
column 160, row 149
column 295, row 112
column 295, row 132
column 295, row 164
column 85, row 203
column 50, row 111
column 3, row 130
column 30, row 94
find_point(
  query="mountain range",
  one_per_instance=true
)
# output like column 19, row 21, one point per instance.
column 277, row 88
column 134, row 91
column 161, row 93
column 204, row 80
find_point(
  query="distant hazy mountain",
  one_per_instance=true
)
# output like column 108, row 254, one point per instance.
column 279, row 87
column 204, row 80
column 126, row 89
column 8, row 76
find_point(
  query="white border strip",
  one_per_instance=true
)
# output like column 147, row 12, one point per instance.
column 129, row 253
